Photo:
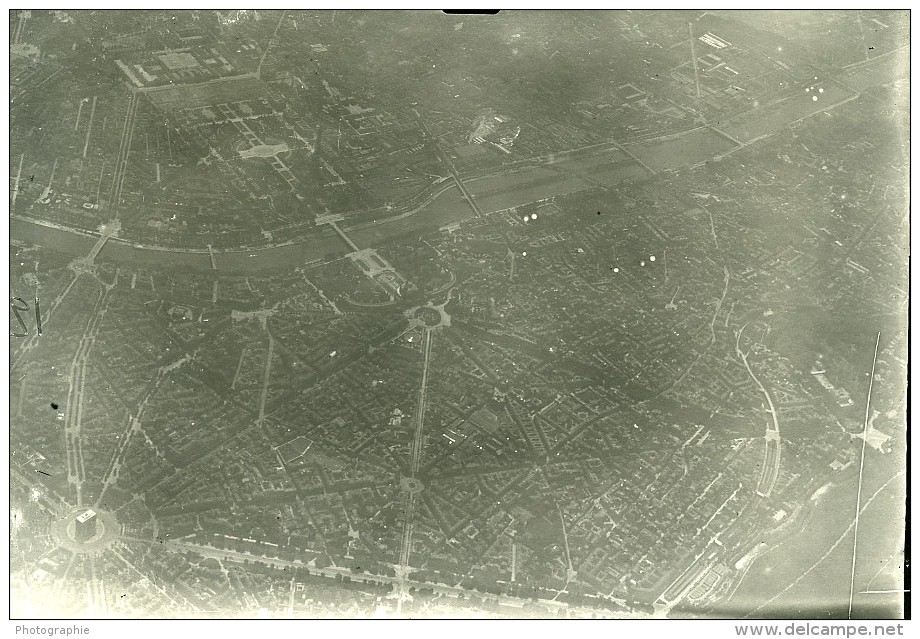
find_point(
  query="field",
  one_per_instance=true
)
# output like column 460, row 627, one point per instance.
column 501, row 183
column 616, row 172
column 821, row 592
column 594, row 161
column 532, row 191
column 503, row 192
column 760, row 122
column 682, row 151
column 195, row 96
column 881, row 70
column 448, row 208
column 608, row 168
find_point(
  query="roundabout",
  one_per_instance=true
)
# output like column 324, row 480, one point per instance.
column 428, row 316
column 86, row 530
column 411, row 485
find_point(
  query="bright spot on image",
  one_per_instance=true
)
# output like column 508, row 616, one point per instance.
column 814, row 98
column 526, row 218
column 652, row 258
column 534, row 216
column 808, row 90
column 616, row 270
column 821, row 90
column 524, row 253
column 780, row 49
column 642, row 263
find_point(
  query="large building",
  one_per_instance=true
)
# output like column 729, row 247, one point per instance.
column 86, row 526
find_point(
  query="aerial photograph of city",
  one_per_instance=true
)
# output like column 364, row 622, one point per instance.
column 421, row 314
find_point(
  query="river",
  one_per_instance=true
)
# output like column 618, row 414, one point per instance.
column 274, row 258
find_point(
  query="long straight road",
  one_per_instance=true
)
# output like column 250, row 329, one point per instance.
column 15, row 191
column 73, row 410
column 107, row 231
column 397, row 581
column 418, row 444
column 266, row 376
column 89, row 129
column 418, row 440
column 134, row 426
column 124, row 150
column 450, row 165
column 862, row 462
column 271, row 41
